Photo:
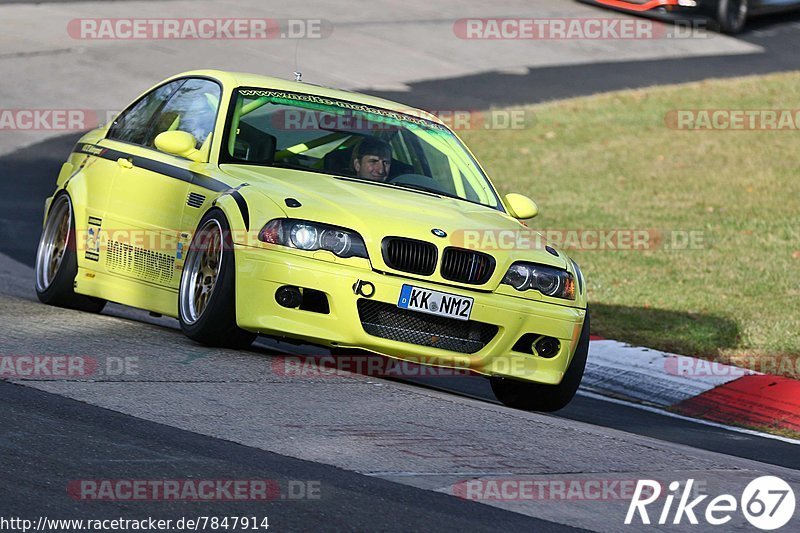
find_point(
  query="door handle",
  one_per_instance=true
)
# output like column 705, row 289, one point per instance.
column 125, row 163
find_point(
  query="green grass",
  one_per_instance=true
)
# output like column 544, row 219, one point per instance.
column 609, row 161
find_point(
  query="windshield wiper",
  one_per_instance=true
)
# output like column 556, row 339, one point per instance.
column 425, row 189
column 291, row 166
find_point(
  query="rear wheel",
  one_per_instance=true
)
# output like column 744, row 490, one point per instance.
column 207, row 295
column 732, row 15
column 537, row 397
column 57, row 261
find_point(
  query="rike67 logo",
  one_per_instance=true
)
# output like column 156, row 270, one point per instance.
column 767, row 502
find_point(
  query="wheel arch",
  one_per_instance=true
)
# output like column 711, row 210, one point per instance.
column 238, row 219
column 76, row 191
column 247, row 211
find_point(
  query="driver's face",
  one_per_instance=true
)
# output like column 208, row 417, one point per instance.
column 373, row 167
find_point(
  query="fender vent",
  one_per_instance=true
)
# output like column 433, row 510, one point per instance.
column 145, row 264
column 195, row 200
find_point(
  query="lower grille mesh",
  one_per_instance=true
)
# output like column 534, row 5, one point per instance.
column 146, row 264
column 390, row 322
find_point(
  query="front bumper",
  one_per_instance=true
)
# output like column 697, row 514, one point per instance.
column 260, row 273
column 666, row 10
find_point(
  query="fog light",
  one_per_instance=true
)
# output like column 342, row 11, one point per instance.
column 547, row 347
column 288, row 296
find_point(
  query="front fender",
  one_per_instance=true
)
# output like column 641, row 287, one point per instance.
column 238, row 218
column 247, row 211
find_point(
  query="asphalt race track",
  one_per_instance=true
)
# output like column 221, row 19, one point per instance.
column 778, row 36
column 63, row 437
column 385, row 454
column 47, row 434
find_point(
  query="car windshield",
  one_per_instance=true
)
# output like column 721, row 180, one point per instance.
column 340, row 138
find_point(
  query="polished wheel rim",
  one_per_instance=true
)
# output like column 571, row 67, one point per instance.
column 202, row 271
column 53, row 243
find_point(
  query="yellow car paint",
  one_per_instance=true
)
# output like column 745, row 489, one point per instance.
column 133, row 227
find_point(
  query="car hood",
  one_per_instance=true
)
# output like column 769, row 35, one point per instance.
column 377, row 210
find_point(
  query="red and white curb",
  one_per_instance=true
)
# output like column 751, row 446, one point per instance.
column 692, row 387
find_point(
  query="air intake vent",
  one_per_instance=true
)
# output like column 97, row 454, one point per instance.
column 195, row 200
column 467, row 266
column 409, row 255
column 390, row 322
column 145, row 264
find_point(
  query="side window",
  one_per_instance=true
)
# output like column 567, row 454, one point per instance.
column 132, row 125
column 193, row 109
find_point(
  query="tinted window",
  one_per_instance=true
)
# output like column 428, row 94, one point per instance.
column 132, row 125
column 318, row 134
column 192, row 108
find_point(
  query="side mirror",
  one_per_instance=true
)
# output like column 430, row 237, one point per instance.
column 179, row 143
column 520, row 206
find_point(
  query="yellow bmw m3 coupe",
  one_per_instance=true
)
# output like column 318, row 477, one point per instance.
column 244, row 205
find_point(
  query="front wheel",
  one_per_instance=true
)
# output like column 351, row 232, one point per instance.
column 732, row 15
column 57, row 261
column 537, row 397
column 207, row 294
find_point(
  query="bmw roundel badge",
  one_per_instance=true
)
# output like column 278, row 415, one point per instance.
column 439, row 233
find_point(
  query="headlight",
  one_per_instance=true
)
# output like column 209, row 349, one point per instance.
column 313, row 236
column 579, row 275
column 304, row 236
column 337, row 241
column 547, row 280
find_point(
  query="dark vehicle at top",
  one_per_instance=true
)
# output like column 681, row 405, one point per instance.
column 729, row 16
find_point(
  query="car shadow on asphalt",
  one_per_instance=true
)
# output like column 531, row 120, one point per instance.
column 778, row 35
column 27, row 177
column 770, row 22
column 680, row 332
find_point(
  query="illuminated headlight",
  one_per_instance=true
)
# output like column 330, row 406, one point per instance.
column 313, row 236
column 304, row 236
column 547, row 280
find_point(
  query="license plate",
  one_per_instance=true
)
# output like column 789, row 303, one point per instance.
column 435, row 302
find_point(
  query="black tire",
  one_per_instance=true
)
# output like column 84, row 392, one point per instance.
column 57, row 260
column 732, row 15
column 546, row 398
column 215, row 323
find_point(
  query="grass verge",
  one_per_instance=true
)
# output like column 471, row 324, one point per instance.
column 611, row 162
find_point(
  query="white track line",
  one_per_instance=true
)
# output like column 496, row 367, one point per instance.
column 686, row 418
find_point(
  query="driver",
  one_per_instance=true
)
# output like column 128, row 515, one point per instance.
column 372, row 159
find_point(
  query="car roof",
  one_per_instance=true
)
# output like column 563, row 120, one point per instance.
column 243, row 79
